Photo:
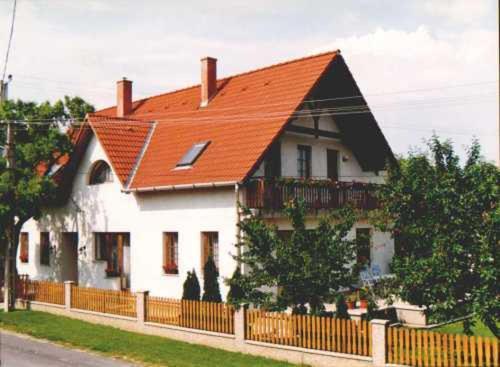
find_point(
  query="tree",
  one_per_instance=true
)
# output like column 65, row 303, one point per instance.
column 191, row 287
column 445, row 218
column 305, row 269
column 211, row 291
column 28, row 188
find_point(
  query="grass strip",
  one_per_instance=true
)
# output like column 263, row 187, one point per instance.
column 152, row 350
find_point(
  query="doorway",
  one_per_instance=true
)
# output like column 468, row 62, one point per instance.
column 69, row 257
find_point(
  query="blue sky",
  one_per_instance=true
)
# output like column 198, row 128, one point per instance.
column 446, row 51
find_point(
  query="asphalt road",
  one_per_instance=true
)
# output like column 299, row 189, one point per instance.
column 20, row 351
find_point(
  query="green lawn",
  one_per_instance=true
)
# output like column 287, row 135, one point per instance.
column 456, row 328
column 107, row 340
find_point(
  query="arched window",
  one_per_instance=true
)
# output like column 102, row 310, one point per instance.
column 100, row 173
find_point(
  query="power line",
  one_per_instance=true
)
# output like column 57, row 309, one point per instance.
column 380, row 94
column 198, row 115
column 10, row 40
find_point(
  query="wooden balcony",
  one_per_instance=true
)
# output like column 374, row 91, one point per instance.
column 274, row 194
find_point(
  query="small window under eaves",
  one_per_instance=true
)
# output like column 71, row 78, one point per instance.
column 192, row 154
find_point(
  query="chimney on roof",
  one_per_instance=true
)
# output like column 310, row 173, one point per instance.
column 208, row 79
column 123, row 97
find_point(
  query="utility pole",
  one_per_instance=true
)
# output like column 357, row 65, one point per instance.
column 10, row 164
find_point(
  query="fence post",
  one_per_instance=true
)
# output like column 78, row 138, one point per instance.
column 239, row 324
column 379, row 341
column 68, row 285
column 140, row 298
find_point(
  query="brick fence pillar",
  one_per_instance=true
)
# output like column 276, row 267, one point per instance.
column 239, row 324
column 140, row 298
column 68, row 285
column 379, row 341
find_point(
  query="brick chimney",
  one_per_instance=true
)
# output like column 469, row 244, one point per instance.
column 208, row 79
column 123, row 97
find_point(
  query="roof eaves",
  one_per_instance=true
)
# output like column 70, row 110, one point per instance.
column 204, row 185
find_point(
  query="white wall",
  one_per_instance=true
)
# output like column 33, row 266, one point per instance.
column 104, row 208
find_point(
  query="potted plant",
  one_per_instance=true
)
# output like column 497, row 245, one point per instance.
column 351, row 301
column 363, row 297
column 171, row 268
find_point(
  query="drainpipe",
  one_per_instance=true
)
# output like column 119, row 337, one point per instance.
column 238, row 218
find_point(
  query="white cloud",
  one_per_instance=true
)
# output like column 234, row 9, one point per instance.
column 463, row 11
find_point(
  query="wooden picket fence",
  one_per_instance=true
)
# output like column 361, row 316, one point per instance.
column 311, row 332
column 427, row 348
column 210, row 316
column 163, row 310
column 102, row 300
column 41, row 291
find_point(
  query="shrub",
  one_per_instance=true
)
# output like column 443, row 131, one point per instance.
column 211, row 291
column 191, row 287
column 341, row 307
column 236, row 292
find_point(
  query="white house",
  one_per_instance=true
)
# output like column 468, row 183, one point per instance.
column 153, row 186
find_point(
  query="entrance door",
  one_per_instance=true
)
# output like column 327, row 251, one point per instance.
column 69, row 256
column 332, row 162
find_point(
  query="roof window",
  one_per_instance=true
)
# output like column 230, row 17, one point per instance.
column 192, row 154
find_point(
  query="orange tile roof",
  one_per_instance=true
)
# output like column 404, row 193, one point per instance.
column 247, row 113
column 122, row 141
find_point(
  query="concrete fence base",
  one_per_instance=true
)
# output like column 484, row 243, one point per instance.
column 233, row 343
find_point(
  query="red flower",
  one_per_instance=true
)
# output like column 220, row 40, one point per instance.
column 171, row 268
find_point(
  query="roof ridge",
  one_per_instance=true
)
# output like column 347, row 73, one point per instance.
column 332, row 52
column 105, row 117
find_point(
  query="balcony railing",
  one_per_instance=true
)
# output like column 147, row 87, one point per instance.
column 274, row 194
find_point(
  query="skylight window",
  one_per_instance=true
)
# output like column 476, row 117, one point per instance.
column 192, row 154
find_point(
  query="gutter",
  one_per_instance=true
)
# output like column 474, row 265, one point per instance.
column 182, row 187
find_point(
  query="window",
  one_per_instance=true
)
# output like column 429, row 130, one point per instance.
column 170, row 253
column 44, row 248
column 193, row 154
column 285, row 234
column 400, row 245
column 272, row 163
column 210, row 247
column 304, row 161
column 100, row 173
column 24, row 247
column 332, row 162
column 109, row 247
column 363, row 246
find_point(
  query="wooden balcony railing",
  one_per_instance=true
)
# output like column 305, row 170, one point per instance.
column 274, row 194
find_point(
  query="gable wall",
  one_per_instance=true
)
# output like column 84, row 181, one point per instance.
column 349, row 169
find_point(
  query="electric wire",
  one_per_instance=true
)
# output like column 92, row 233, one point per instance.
column 7, row 53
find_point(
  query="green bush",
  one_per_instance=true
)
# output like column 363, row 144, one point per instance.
column 211, row 291
column 191, row 287
column 236, row 292
column 341, row 307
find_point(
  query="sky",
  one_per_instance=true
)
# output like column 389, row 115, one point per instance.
column 424, row 66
